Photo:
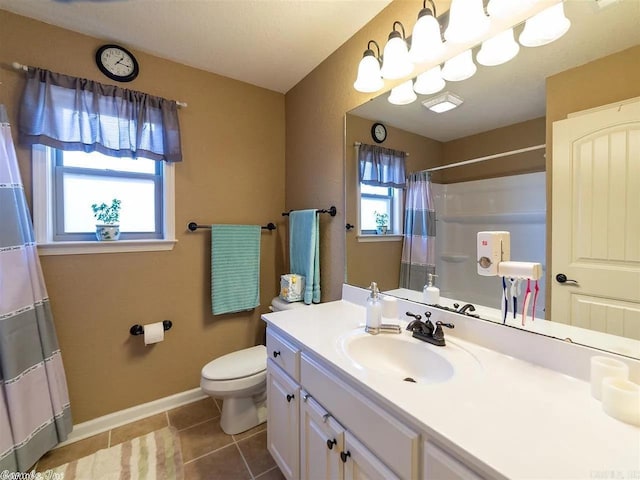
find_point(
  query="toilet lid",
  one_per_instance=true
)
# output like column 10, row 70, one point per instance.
column 240, row 364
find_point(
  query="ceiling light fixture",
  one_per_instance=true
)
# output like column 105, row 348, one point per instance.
column 443, row 103
column 403, row 94
column 395, row 59
column 369, row 79
column 429, row 82
column 498, row 50
column 426, row 39
column 459, row 67
column 545, row 27
column 467, row 21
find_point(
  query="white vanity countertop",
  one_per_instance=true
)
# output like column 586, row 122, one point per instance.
column 518, row 419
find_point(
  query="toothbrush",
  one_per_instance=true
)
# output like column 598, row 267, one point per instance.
column 505, row 300
column 535, row 298
column 514, row 295
column 525, row 303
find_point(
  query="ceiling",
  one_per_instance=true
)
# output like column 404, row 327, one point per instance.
column 595, row 32
column 269, row 43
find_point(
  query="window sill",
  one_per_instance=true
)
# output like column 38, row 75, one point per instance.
column 118, row 246
column 380, row 238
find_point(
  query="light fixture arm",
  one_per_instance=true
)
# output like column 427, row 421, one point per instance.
column 426, row 10
column 404, row 35
column 378, row 56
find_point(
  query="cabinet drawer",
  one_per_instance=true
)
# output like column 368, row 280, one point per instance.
column 283, row 354
column 389, row 439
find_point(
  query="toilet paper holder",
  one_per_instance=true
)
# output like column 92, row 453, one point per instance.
column 139, row 329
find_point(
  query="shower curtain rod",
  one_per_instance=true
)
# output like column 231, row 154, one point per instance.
column 357, row 144
column 488, row 157
column 25, row 68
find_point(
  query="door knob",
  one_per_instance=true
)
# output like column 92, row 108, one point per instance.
column 562, row 278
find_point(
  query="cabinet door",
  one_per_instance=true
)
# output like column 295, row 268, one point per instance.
column 321, row 441
column 283, row 420
column 439, row 464
column 361, row 464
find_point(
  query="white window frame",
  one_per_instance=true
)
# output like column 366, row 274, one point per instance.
column 397, row 205
column 42, row 187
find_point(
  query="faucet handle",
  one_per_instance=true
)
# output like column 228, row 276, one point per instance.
column 414, row 315
column 448, row 325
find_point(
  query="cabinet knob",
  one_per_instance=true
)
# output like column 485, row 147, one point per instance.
column 331, row 443
column 344, row 456
column 290, row 397
column 276, row 353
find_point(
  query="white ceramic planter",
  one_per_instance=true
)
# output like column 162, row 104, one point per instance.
column 107, row 233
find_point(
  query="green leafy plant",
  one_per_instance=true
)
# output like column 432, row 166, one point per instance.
column 107, row 214
column 382, row 219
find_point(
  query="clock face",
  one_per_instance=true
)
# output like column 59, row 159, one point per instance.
column 117, row 63
column 379, row 132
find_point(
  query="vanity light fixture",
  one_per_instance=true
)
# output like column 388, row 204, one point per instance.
column 545, row 27
column 498, row 50
column 467, row 21
column 443, row 103
column 507, row 8
column 395, row 59
column 426, row 39
column 403, row 94
column 429, row 82
column 459, row 67
column 369, row 78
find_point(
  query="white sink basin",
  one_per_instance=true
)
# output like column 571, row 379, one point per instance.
column 405, row 358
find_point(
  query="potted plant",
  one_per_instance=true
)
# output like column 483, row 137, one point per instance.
column 382, row 223
column 108, row 217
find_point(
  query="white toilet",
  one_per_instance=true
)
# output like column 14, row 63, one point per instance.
column 239, row 378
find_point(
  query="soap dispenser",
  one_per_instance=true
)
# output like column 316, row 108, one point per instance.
column 374, row 310
column 431, row 293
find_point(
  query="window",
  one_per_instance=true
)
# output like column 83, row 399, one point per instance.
column 381, row 200
column 67, row 183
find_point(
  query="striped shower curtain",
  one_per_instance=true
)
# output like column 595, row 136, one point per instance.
column 418, row 249
column 34, row 402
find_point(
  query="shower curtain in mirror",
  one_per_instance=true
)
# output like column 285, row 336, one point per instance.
column 34, row 402
column 418, row 249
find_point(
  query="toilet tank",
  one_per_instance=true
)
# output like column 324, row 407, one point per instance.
column 277, row 305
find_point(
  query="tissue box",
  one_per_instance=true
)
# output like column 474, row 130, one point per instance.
column 291, row 287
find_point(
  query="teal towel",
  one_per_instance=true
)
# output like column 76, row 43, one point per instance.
column 304, row 251
column 235, row 268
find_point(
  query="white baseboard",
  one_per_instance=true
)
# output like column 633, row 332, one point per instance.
column 107, row 422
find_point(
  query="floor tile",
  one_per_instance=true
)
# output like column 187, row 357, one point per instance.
column 254, row 450
column 139, row 428
column 250, row 432
column 273, row 474
column 202, row 439
column 193, row 413
column 219, row 402
column 225, row 464
column 73, row 451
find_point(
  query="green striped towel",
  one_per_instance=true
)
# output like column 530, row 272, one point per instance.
column 235, row 268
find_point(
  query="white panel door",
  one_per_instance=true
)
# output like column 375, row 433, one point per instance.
column 283, row 420
column 321, row 441
column 596, row 220
column 361, row 463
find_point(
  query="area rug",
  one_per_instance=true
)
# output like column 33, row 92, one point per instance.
column 155, row 456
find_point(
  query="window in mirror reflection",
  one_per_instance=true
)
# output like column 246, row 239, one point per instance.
column 380, row 207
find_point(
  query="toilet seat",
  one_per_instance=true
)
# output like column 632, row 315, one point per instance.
column 237, row 365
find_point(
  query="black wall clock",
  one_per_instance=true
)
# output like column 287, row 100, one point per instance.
column 378, row 132
column 117, row 63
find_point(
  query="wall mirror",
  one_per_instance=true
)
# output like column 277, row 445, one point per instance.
column 504, row 110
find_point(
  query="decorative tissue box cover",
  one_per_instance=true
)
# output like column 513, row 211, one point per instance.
column 291, row 287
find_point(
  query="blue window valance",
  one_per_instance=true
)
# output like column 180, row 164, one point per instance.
column 71, row 113
column 381, row 167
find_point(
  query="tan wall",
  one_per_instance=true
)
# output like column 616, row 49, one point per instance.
column 379, row 261
column 511, row 137
column 603, row 81
column 315, row 110
column 233, row 141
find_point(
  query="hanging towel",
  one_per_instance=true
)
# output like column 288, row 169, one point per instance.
column 235, row 268
column 304, row 251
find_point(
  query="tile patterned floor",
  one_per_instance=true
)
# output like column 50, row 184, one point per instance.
column 207, row 452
